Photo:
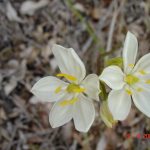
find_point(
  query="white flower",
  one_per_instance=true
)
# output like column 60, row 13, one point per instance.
column 133, row 82
column 74, row 98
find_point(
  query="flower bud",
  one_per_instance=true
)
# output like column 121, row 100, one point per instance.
column 106, row 115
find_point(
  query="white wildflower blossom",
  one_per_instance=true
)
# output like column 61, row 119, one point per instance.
column 131, row 83
column 73, row 99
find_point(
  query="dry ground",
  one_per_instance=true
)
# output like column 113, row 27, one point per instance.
column 96, row 30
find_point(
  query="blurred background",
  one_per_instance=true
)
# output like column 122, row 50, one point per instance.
column 96, row 29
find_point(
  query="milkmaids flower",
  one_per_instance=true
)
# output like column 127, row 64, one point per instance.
column 133, row 82
column 73, row 98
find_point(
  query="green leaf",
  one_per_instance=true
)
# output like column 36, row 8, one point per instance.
column 118, row 61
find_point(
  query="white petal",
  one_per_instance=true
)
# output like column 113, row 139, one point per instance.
column 141, row 85
column 119, row 103
column 130, row 51
column 59, row 115
column 69, row 62
column 143, row 64
column 83, row 114
column 142, row 102
column 45, row 88
column 113, row 77
column 91, row 85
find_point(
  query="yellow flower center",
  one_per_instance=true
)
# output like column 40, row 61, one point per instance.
column 71, row 88
column 131, row 79
column 74, row 88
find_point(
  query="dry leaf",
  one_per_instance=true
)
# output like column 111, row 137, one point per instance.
column 21, row 70
column 29, row 7
column 5, row 134
column 12, row 14
column 35, row 139
column 96, row 13
column 2, row 114
column 46, row 51
column 20, row 103
column 101, row 143
column 11, row 67
column 10, row 86
column 34, row 100
column 1, row 78
column 26, row 53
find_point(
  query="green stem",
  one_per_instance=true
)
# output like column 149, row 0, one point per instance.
column 89, row 28
column 103, row 93
column 104, row 54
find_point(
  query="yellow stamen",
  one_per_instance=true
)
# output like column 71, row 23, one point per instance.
column 131, row 79
column 67, row 76
column 74, row 88
column 139, row 89
column 68, row 102
column 148, row 81
column 58, row 89
column 131, row 65
column 142, row 72
column 129, row 92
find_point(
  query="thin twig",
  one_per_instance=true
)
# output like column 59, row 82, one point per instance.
column 111, row 31
column 112, row 26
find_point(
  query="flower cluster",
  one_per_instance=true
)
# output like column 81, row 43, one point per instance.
column 74, row 95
